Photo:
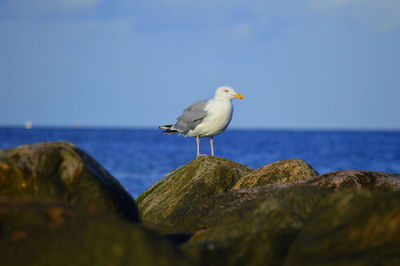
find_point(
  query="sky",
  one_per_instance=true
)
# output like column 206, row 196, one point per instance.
column 301, row 64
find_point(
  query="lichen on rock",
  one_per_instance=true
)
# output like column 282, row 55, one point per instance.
column 284, row 171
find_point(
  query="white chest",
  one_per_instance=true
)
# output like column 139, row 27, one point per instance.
column 217, row 120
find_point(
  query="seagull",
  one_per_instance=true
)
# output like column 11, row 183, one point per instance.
column 206, row 118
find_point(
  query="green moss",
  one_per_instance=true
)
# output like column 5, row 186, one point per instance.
column 232, row 207
column 194, row 181
column 146, row 193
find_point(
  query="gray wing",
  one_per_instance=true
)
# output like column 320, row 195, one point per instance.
column 191, row 117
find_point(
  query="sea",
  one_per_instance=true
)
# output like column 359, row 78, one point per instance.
column 138, row 157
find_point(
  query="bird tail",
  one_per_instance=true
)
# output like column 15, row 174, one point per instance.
column 168, row 129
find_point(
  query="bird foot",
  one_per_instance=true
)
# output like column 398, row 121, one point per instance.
column 201, row 155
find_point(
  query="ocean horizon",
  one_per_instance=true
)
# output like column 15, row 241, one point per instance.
column 138, row 157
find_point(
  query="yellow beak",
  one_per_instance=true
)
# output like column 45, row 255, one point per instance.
column 238, row 95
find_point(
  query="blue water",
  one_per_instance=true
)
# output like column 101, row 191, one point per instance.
column 140, row 157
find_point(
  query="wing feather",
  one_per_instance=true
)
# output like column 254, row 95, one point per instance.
column 191, row 117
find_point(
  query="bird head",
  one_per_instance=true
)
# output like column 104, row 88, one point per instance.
column 226, row 92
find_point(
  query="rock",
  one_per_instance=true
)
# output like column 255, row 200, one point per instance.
column 216, row 209
column 268, row 248
column 196, row 180
column 37, row 232
column 63, row 172
column 352, row 227
column 285, row 171
column 251, row 231
column 355, row 178
column 205, row 213
column 258, row 224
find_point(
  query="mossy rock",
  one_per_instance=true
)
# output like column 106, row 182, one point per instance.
column 212, row 210
column 37, row 232
column 352, row 227
column 284, row 171
column 340, row 180
column 196, row 180
column 254, row 232
column 216, row 209
column 63, row 172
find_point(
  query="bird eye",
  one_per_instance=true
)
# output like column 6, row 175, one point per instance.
column 226, row 90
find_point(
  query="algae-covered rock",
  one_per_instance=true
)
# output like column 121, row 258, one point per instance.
column 353, row 227
column 61, row 171
column 284, row 171
column 258, row 224
column 254, row 231
column 196, row 180
column 216, row 209
column 47, row 233
column 355, row 178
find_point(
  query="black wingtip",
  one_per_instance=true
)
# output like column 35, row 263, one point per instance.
column 168, row 130
column 167, row 127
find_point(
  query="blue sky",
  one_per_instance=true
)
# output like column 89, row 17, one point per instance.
column 300, row 64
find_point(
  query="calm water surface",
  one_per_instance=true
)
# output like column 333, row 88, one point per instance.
column 140, row 157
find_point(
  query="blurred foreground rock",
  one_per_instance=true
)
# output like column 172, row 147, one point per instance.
column 37, row 232
column 62, row 172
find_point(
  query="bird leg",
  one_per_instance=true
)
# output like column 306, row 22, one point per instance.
column 198, row 147
column 212, row 145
